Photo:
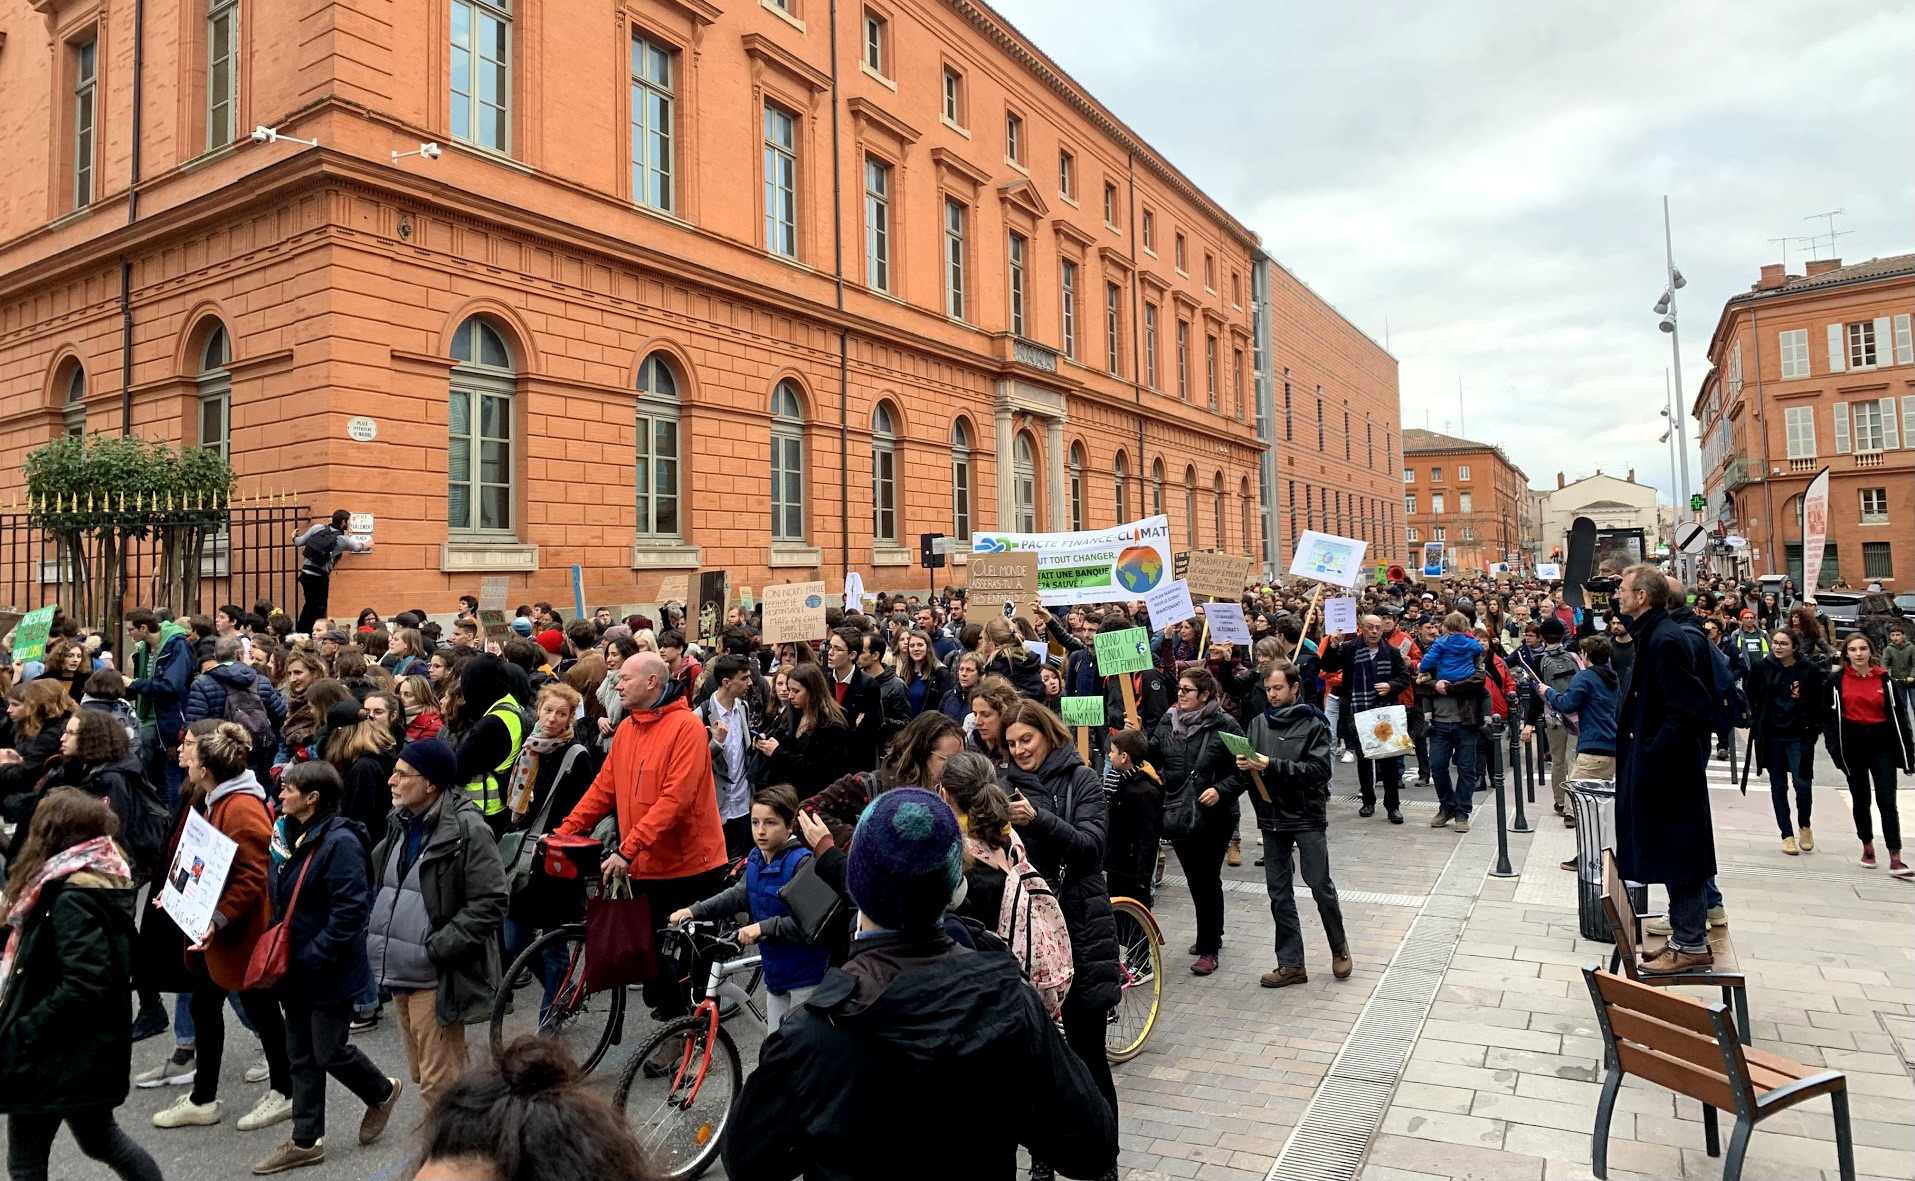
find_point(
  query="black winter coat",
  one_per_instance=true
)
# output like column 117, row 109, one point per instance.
column 20, row 782
column 864, row 714
column 368, row 798
column 546, row 901
column 1297, row 743
column 1766, row 678
column 1189, row 766
column 1065, row 844
column 810, row 762
column 328, row 937
column 1390, row 667
column 1021, row 667
column 66, row 1031
column 1153, row 693
column 910, row 1027
column 1663, row 828
column 1836, row 729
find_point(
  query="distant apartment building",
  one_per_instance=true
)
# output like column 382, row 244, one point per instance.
column 1465, row 494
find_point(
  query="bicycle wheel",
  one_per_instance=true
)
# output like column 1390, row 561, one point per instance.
column 678, row 1116
column 554, row 967
column 1140, row 959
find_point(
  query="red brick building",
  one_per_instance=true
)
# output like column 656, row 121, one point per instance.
column 1811, row 371
column 682, row 285
column 1465, row 494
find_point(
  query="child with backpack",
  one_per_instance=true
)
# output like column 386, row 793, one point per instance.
column 793, row 965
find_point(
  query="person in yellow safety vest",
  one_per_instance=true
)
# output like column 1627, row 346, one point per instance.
column 491, row 746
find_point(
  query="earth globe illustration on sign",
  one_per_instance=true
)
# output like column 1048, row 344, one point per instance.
column 1139, row 568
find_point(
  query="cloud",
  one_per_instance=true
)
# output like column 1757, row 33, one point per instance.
column 1486, row 176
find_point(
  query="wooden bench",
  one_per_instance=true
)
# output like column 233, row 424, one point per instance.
column 1625, row 927
column 1691, row 1048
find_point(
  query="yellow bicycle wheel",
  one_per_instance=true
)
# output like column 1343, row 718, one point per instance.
column 1140, row 961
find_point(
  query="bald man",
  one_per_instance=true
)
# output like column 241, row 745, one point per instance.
column 1374, row 674
column 658, row 781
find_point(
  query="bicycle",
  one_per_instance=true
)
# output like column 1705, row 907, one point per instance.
column 1140, row 962
column 677, row 1091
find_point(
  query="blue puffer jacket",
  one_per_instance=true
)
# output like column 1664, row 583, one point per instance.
column 207, row 697
column 1593, row 695
column 328, row 964
column 789, row 963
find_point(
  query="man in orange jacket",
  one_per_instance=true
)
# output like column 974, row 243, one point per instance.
column 658, row 781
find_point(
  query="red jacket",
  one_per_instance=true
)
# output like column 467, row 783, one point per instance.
column 658, row 780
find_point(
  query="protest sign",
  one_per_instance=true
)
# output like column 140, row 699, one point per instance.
column 1169, row 603
column 1227, row 625
column 707, row 615
column 1432, row 559
column 675, row 589
column 1215, row 576
column 1125, row 651
column 30, row 638
column 493, row 623
column 745, row 600
column 492, row 592
column 1339, row 616
column 1236, row 744
column 1003, row 578
column 1038, row 648
column 1082, row 711
column 1548, row 570
column 1328, row 558
column 794, row 613
column 854, row 595
column 190, row 891
column 1093, row 566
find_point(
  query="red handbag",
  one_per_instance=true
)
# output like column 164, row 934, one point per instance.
column 273, row 953
column 620, row 940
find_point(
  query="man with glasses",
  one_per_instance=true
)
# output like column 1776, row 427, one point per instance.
column 1374, row 674
column 855, row 693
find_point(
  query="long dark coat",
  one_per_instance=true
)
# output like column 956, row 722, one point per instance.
column 1663, row 830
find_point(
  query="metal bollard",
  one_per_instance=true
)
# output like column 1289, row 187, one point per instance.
column 1518, row 752
column 1495, row 744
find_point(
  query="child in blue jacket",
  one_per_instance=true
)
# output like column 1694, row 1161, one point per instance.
column 1453, row 656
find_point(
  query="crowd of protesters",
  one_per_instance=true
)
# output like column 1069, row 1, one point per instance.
column 366, row 772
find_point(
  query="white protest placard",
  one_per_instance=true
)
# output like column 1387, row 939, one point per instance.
column 1169, row 603
column 1328, row 558
column 1038, row 648
column 492, row 592
column 190, row 892
column 1339, row 616
column 1227, row 625
column 1548, row 570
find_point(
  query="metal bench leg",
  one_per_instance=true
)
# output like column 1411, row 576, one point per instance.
column 1738, row 1147
column 1711, row 1136
column 1844, row 1144
column 1742, row 1014
column 1605, row 1109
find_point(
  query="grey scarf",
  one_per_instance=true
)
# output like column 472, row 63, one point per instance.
column 1185, row 722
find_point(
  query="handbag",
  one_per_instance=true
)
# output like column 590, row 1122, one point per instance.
column 518, row 850
column 621, row 943
column 273, row 953
column 813, row 902
column 1384, row 732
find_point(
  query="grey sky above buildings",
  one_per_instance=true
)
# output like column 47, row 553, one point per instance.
column 1486, row 175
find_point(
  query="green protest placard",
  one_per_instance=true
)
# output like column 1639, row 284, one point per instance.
column 30, row 638
column 1126, row 651
column 1082, row 711
column 1237, row 744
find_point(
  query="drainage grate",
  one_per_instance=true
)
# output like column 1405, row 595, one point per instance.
column 1329, row 1142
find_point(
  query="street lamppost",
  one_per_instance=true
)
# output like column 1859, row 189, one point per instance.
column 1666, row 308
column 1668, row 429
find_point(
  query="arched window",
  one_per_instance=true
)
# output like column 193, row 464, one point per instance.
column 656, row 474
column 960, row 480
column 1243, row 507
column 73, row 412
column 1156, row 487
column 884, row 475
column 215, row 390
column 1190, row 507
column 1216, row 494
column 1077, row 487
column 479, row 428
column 1120, row 478
column 1024, row 484
column 787, row 464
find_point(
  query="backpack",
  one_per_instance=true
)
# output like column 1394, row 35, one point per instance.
column 244, row 707
column 145, row 824
column 1031, row 923
column 1728, row 708
column 318, row 549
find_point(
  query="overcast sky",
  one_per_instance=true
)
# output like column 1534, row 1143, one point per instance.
column 1487, row 175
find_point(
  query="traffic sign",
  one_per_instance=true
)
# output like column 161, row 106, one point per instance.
column 1691, row 538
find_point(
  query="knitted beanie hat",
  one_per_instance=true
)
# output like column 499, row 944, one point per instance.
column 433, row 760
column 903, row 864
column 551, row 641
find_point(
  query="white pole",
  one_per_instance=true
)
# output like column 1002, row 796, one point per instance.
column 1681, row 410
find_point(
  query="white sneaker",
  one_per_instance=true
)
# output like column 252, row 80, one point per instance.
column 1658, row 927
column 187, row 1114
column 258, row 1072
column 272, row 1108
column 1349, row 757
column 176, row 1071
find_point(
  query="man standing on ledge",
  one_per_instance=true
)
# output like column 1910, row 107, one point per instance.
column 319, row 550
column 1663, row 828
column 658, row 781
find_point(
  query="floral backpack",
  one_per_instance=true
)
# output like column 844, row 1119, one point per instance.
column 1031, row 922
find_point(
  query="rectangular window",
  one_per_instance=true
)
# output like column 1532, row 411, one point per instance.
column 1066, row 174
column 1469, row 533
column 656, row 477
column 781, row 182
column 953, row 97
column 1110, row 205
column 481, row 73
column 1289, row 422
column 1114, row 325
column 215, row 411
column 874, row 36
column 1904, row 341
column 1442, row 533
column 787, row 485
column 1878, row 560
column 652, row 124
column 1464, row 502
column 1409, row 475
column 953, row 259
column 884, row 494
column 1183, row 359
column 1017, row 284
column 1800, row 423
column 1178, row 254
column 1210, row 369
column 1436, row 502
column 1409, row 502
column 1236, row 289
column 1861, row 340
column 1067, row 282
column 1410, row 534
column 1320, row 435
column 1236, row 378
column 85, row 93
column 1150, row 230
column 222, row 75
column 1150, row 345
column 1210, row 271
column 877, row 224
column 960, row 493
column 1795, row 352
column 1436, row 475
column 1866, row 420
column 1462, row 471
column 1874, row 506
column 1013, row 138
column 479, row 460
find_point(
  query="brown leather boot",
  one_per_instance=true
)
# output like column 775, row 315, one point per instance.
column 1280, row 976
column 1670, row 962
column 1341, row 965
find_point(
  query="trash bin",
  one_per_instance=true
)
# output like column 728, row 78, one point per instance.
column 1595, row 803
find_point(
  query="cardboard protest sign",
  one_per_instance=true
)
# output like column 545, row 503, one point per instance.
column 794, row 613
column 1169, row 603
column 675, row 589
column 1227, row 624
column 1082, row 711
column 1003, row 578
column 1328, row 558
column 495, row 625
column 706, row 616
column 1126, row 651
column 1216, row 576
